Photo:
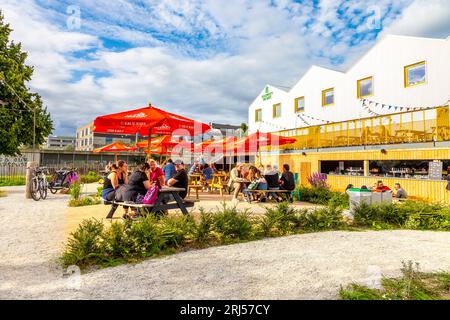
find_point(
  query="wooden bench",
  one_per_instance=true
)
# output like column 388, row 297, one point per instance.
column 158, row 206
column 288, row 193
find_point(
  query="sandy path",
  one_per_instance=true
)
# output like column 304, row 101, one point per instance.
column 310, row 266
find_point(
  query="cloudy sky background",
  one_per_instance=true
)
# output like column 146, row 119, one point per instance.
column 205, row 59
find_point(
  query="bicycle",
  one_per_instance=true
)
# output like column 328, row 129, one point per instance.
column 39, row 185
column 61, row 179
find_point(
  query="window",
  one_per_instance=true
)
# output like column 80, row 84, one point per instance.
column 328, row 97
column 277, row 110
column 365, row 87
column 299, row 104
column 258, row 115
column 415, row 74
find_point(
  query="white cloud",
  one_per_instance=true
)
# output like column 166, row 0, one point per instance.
column 423, row 18
column 252, row 43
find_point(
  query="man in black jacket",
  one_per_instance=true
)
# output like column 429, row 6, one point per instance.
column 287, row 180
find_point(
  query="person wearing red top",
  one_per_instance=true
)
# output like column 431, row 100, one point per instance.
column 381, row 187
column 156, row 174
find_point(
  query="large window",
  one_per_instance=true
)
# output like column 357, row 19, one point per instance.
column 258, row 115
column 365, row 87
column 299, row 104
column 277, row 110
column 415, row 74
column 328, row 97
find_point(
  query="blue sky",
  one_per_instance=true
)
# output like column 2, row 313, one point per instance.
column 204, row 59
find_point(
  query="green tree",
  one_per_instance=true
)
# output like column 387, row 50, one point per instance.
column 244, row 128
column 18, row 106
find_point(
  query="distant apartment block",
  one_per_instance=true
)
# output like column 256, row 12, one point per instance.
column 87, row 140
column 59, row 142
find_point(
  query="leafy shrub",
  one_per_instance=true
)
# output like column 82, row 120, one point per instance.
column 380, row 215
column 329, row 218
column 232, row 224
column 145, row 237
column 324, row 196
column 203, row 230
column 279, row 220
column 91, row 177
column 99, row 191
column 85, row 245
column 175, row 230
column 84, row 201
column 11, row 181
column 75, row 190
column 118, row 243
column 412, row 285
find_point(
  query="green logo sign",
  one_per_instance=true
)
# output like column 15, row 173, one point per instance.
column 267, row 95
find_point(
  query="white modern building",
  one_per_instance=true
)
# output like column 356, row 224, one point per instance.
column 399, row 71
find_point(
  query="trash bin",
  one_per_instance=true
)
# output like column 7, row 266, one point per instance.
column 379, row 197
column 358, row 196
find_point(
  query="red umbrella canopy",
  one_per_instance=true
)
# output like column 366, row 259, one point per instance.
column 115, row 147
column 221, row 146
column 164, row 141
column 254, row 141
column 141, row 120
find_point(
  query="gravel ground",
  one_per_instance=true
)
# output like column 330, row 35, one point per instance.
column 310, row 266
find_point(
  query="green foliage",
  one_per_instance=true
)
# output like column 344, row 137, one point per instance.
column 329, row 218
column 175, row 230
column 17, row 125
column 232, row 224
column 7, row 181
column 145, row 237
column 380, row 214
column 91, row 177
column 84, row 201
column 203, row 230
column 86, row 245
column 99, row 191
column 279, row 220
column 410, row 214
column 324, row 196
column 75, row 190
column 412, row 285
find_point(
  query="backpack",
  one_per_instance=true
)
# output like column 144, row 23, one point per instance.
column 151, row 196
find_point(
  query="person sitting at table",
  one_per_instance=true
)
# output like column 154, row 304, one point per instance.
column 349, row 186
column 400, row 193
column 236, row 180
column 156, row 174
column 194, row 168
column 168, row 169
column 213, row 167
column 110, row 183
column 138, row 184
column 122, row 179
column 287, row 180
column 179, row 180
column 268, row 170
column 381, row 187
column 255, row 177
column 207, row 174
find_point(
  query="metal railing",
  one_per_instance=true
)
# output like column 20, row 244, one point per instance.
column 426, row 125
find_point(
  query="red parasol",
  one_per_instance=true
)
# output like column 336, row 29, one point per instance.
column 143, row 119
column 114, row 147
column 254, row 141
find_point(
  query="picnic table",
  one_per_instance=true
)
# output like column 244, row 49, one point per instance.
column 220, row 182
column 179, row 203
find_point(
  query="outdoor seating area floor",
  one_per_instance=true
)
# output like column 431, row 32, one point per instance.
column 308, row 266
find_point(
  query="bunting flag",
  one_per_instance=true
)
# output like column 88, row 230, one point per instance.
column 304, row 121
column 368, row 103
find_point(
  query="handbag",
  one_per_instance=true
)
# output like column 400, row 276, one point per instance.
column 151, row 196
column 253, row 185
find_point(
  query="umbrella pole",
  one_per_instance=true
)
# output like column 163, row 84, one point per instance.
column 149, row 142
column 115, row 158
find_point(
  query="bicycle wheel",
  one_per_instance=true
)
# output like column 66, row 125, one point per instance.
column 43, row 188
column 35, row 193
